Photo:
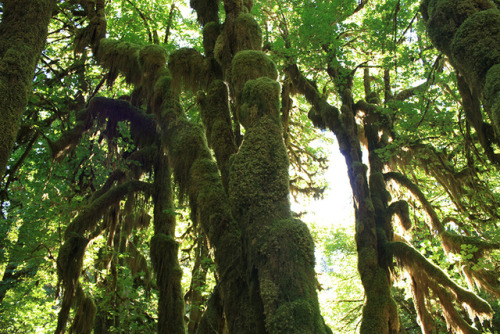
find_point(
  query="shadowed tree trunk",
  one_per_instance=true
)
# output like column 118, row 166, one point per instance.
column 23, row 32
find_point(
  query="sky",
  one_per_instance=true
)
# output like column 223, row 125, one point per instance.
column 336, row 208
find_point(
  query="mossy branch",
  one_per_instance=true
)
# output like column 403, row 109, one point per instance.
column 143, row 126
column 451, row 242
column 400, row 209
column 438, row 280
column 402, row 180
column 323, row 115
column 87, row 220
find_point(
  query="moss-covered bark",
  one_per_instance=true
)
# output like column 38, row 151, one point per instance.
column 278, row 250
column 164, row 252
column 370, row 196
column 23, row 32
column 468, row 32
column 77, row 236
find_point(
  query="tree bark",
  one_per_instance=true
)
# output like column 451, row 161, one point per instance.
column 23, row 32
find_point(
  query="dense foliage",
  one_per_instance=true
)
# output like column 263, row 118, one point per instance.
column 152, row 160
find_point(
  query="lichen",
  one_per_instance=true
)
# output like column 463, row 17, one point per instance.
column 476, row 45
column 248, row 34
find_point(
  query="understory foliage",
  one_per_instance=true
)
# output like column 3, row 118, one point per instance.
column 150, row 166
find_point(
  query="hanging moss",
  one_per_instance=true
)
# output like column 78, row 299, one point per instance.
column 91, row 34
column 476, row 45
column 401, row 210
column 222, row 50
column 186, row 142
column 164, row 250
column 70, row 259
column 248, row 34
column 248, row 65
column 69, row 266
column 118, row 56
column 152, row 58
column 162, row 92
column 187, row 68
column 438, row 280
column 211, row 32
column 259, row 97
column 83, row 322
column 492, row 95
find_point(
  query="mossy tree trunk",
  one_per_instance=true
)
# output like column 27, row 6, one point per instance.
column 468, row 33
column 164, row 252
column 373, row 226
column 23, row 32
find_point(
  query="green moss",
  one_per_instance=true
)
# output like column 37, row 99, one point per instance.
column 259, row 97
column 211, row 32
column 118, row 56
column 492, row 95
column 289, row 238
column 212, row 209
column 248, row 34
column 476, row 45
column 162, row 93
column 152, row 58
column 285, row 258
column 187, row 143
column 187, row 68
column 164, row 253
column 248, row 5
column 380, row 313
column 215, row 109
column 207, row 10
column 249, row 65
column 446, row 16
column 258, row 183
column 222, row 51
column 24, row 27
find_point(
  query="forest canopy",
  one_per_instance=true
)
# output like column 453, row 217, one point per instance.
column 151, row 153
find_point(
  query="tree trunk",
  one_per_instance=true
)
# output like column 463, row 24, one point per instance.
column 164, row 252
column 23, row 32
